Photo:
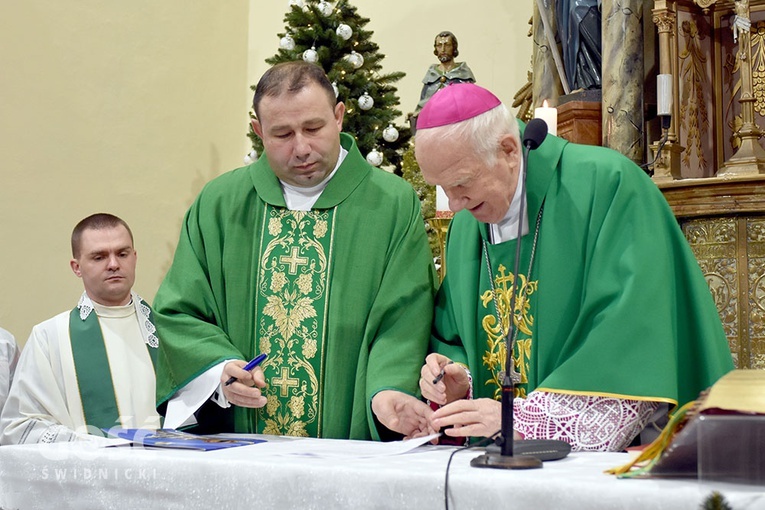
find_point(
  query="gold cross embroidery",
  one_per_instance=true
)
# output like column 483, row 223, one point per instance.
column 293, row 260
column 285, row 382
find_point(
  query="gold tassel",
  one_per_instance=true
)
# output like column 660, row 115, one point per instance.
column 652, row 453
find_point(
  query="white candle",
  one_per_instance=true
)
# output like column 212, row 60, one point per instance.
column 442, row 201
column 664, row 94
column 549, row 115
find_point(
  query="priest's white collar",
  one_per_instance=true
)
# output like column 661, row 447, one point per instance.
column 302, row 199
column 507, row 228
column 148, row 330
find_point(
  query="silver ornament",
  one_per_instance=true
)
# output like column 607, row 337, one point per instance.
column 355, row 59
column 390, row 133
column 287, row 43
column 310, row 55
column 344, row 32
column 334, row 87
column 325, row 8
column 366, row 102
column 251, row 157
column 375, row 158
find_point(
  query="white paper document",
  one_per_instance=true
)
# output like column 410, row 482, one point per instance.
column 327, row 448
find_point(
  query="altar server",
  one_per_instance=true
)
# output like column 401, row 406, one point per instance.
column 91, row 367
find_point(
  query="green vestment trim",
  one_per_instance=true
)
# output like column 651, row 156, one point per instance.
column 291, row 310
column 91, row 365
column 496, row 334
column 94, row 377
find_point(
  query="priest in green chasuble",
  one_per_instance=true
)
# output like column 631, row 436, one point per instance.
column 614, row 321
column 313, row 257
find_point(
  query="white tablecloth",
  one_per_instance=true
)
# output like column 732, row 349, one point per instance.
column 267, row 475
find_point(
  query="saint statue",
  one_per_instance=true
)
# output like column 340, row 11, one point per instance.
column 580, row 35
column 741, row 22
column 445, row 72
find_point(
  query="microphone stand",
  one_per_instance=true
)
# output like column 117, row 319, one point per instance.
column 505, row 459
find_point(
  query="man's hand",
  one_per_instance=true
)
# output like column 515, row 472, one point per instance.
column 478, row 418
column 403, row 413
column 454, row 384
column 245, row 391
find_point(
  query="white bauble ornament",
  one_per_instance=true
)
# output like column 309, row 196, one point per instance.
column 355, row 59
column 366, row 102
column 375, row 158
column 334, row 87
column 297, row 3
column 251, row 157
column 310, row 55
column 325, row 8
column 390, row 133
column 287, row 43
column 344, row 32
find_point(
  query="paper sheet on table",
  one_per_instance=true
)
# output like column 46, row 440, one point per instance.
column 327, row 448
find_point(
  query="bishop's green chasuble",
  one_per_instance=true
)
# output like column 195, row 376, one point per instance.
column 615, row 304
column 341, row 297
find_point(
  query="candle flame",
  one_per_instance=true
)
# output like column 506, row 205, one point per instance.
column 544, row 104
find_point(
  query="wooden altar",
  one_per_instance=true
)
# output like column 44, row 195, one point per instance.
column 724, row 222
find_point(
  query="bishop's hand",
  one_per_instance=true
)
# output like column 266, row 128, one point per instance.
column 443, row 389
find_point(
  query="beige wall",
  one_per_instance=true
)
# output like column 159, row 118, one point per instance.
column 124, row 107
column 130, row 107
column 492, row 37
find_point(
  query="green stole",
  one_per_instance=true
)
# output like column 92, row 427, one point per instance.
column 502, row 258
column 291, row 317
column 91, row 365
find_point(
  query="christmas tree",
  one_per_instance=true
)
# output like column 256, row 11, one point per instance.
column 332, row 35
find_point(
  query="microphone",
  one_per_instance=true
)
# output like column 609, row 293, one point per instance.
column 533, row 136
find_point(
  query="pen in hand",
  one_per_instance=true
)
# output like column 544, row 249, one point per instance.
column 249, row 366
column 441, row 374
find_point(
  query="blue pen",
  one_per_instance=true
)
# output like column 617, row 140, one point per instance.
column 249, row 366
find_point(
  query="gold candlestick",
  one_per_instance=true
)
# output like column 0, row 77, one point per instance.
column 441, row 225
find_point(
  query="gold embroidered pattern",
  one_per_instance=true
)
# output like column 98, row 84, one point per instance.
column 494, row 357
column 291, row 306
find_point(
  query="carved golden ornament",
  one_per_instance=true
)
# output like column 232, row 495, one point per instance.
column 717, row 246
column 758, row 67
column 664, row 21
column 704, row 4
column 756, row 254
column 693, row 105
column 713, row 242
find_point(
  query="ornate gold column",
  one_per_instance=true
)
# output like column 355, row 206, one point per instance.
column 667, row 166
column 622, row 36
column 441, row 226
column 750, row 157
